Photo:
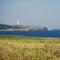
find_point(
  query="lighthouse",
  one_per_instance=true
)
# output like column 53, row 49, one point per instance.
column 18, row 23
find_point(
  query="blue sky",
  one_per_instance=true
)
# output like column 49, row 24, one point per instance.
column 31, row 12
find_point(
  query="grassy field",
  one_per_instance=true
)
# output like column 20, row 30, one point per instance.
column 29, row 48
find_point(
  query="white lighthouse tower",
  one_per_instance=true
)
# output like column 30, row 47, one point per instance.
column 18, row 23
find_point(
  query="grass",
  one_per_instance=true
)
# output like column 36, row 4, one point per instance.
column 29, row 48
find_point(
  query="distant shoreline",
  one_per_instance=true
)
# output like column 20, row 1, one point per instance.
column 15, row 30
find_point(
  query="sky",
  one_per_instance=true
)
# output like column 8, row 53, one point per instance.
column 31, row 12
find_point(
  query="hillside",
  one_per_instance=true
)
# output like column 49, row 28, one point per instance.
column 3, row 26
column 24, row 27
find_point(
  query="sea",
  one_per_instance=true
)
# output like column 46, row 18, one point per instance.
column 35, row 33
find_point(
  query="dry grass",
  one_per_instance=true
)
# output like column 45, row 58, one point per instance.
column 29, row 48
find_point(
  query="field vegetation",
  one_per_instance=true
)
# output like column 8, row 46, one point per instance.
column 29, row 48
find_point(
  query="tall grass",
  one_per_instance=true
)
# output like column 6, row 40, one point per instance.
column 29, row 48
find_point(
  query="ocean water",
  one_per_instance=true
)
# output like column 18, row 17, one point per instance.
column 36, row 33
